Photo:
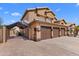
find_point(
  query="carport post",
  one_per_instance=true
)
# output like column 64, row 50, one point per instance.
column 60, row 31
column 66, row 32
column 52, row 31
column 38, row 33
column 4, row 34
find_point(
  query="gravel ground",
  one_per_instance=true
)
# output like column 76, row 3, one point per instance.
column 62, row 46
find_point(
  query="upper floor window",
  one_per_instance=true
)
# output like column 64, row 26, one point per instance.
column 48, row 20
column 25, row 21
column 40, row 19
column 61, row 23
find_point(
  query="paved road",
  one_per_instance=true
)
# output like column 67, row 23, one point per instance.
column 62, row 46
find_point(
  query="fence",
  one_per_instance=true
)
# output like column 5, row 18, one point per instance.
column 3, row 34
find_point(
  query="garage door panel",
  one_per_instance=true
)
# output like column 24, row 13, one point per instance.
column 56, row 32
column 45, row 32
column 62, row 32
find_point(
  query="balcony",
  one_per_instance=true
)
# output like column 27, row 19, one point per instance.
column 42, row 19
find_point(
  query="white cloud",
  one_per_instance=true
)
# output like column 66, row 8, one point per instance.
column 6, row 12
column 75, row 19
column 16, row 14
column 77, row 4
column 13, row 21
column 1, row 8
column 57, row 10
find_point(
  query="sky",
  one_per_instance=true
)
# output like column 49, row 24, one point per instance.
column 12, row 12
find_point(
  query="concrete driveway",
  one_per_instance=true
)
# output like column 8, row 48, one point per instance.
column 61, row 46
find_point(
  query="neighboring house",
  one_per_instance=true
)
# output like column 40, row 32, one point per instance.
column 42, row 24
column 71, row 29
column 77, row 31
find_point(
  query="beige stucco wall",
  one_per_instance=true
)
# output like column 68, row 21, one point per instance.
column 26, row 17
column 50, row 15
column 32, row 35
column 31, row 31
column 42, row 11
column 53, row 20
column 30, row 16
column 38, row 32
column 40, row 18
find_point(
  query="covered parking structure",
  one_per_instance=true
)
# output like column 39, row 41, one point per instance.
column 15, row 29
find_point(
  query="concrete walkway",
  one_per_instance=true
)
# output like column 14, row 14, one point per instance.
column 62, row 46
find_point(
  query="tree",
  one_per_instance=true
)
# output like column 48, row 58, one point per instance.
column 77, row 27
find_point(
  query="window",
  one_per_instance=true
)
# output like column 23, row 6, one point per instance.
column 61, row 23
column 41, row 19
column 48, row 20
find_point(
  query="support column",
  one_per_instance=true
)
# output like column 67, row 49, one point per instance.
column 59, row 32
column 52, row 32
column 30, row 35
column 38, row 33
column 66, row 32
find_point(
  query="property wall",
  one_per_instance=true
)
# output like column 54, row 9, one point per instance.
column 1, row 35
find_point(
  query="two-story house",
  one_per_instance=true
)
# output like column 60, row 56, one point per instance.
column 42, row 24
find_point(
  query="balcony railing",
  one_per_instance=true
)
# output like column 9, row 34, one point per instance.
column 43, row 19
